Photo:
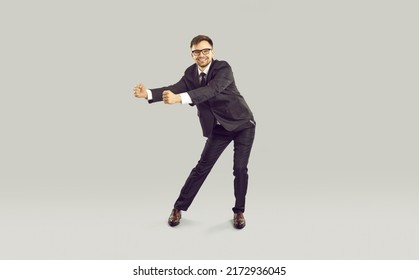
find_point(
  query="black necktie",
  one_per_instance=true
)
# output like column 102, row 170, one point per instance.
column 203, row 80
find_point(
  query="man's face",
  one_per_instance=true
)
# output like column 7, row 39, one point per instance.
column 202, row 53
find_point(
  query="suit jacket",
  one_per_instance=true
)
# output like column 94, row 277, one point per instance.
column 219, row 100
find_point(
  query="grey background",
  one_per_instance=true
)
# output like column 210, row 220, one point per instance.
column 90, row 172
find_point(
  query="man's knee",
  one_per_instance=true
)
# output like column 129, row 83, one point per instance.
column 240, row 170
column 203, row 166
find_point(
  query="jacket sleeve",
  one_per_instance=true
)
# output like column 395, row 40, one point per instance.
column 223, row 78
column 179, row 87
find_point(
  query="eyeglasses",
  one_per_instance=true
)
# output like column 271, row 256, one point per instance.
column 204, row 52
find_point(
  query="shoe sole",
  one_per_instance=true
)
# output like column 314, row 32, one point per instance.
column 239, row 226
column 173, row 224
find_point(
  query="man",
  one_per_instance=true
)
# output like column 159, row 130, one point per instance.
column 224, row 115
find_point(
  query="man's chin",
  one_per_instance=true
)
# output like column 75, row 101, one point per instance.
column 203, row 64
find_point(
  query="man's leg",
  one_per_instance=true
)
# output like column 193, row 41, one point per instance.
column 214, row 146
column 243, row 142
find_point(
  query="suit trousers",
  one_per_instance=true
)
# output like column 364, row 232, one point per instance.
column 214, row 146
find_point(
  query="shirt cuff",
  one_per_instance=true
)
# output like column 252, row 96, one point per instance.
column 185, row 98
column 149, row 95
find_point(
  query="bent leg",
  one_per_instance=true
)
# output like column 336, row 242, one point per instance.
column 214, row 147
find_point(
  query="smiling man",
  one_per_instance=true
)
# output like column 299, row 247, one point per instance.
column 224, row 115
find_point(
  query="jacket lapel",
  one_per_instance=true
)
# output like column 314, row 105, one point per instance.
column 209, row 77
column 196, row 77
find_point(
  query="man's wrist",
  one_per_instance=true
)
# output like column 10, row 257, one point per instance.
column 185, row 98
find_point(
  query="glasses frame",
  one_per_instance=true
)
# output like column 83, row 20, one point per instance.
column 203, row 51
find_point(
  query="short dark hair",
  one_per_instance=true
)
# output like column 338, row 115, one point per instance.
column 198, row 39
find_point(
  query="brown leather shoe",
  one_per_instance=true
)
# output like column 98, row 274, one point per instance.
column 174, row 218
column 238, row 221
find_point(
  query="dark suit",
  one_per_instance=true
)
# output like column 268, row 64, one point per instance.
column 218, row 101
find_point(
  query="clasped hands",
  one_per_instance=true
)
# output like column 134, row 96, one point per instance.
column 140, row 91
